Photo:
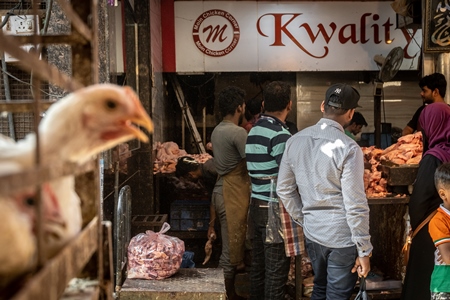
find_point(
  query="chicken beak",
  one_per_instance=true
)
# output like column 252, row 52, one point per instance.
column 140, row 118
column 143, row 121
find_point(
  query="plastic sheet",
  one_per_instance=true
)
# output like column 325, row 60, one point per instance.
column 274, row 232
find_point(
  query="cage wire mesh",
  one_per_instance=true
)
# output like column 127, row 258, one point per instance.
column 20, row 89
column 19, row 84
column 25, row 5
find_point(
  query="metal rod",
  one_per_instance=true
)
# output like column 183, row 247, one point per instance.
column 136, row 55
column 12, row 132
column 377, row 120
column 35, row 90
column 41, row 69
column 443, row 67
column 183, row 133
column 204, row 124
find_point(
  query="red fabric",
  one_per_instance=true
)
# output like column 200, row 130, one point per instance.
column 294, row 240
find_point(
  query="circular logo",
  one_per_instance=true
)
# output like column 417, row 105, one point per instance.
column 216, row 32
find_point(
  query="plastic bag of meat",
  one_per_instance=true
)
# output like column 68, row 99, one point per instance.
column 154, row 255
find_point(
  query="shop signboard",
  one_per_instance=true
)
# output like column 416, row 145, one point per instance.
column 437, row 30
column 229, row 36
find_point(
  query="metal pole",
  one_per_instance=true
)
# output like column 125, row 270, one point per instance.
column 443, row 67
column 377, row 120
column 12, row 131
column 204, row 124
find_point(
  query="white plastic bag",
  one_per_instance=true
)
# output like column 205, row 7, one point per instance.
column 274, row 231
column 154, row 255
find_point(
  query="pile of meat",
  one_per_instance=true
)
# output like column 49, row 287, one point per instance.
column 407, row 150
column 154, row 255
column 167, row 154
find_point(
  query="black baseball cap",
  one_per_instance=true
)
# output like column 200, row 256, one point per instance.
column 346, row 96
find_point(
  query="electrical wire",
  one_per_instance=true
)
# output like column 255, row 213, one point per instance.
column 200, row 85
column 29, row 84
column 11, row 13
column 48, row 11
column 384, row 119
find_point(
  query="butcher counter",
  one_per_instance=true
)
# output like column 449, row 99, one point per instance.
column 387, row 230
column 186, row 284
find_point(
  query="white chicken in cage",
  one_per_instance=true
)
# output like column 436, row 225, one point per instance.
column 74, row 129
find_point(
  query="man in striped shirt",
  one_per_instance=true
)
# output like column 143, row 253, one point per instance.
column 264, row 149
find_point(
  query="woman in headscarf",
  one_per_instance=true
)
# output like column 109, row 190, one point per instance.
column 435, row 123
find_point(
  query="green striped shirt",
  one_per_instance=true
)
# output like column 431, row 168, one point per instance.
column 264, row 149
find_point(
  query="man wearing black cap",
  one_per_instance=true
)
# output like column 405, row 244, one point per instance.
column 321, row 185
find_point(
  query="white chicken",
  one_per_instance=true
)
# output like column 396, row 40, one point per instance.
column 18, row 215
column 74, row 129
column 85, row 123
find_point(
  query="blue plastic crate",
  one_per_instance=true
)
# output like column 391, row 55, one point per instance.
column 189, row 215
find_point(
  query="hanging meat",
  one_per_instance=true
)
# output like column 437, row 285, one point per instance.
column 167, row 155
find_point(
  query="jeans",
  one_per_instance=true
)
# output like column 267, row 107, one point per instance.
column 270, row 265
column 333, row 279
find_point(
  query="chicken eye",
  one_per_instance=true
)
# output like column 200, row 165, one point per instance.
column 110, row 104
column 30, row 201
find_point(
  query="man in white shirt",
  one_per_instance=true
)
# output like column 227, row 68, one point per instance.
column 321, row 185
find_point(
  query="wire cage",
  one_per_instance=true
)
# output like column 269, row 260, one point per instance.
column 25, row 94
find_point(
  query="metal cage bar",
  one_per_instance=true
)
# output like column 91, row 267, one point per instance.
column 50, row 281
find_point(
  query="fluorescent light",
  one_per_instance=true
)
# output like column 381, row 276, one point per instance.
column 392, row 83
column 391, row 100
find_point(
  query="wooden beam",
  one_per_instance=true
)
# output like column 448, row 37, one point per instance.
column 22, row 106
column 39, row 68
column 73, row 39
column 50, row 282
column 18, row 181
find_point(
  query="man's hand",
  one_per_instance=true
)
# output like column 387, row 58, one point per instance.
column 362, row 265
column 211, row 231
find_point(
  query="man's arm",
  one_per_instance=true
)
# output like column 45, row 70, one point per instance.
column 287, row 189
column 355, row 201
column 412, row 124
column 240, row 140
column 212, row 220
column 407, row 130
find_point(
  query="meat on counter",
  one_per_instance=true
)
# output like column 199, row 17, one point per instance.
column 407, row 150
